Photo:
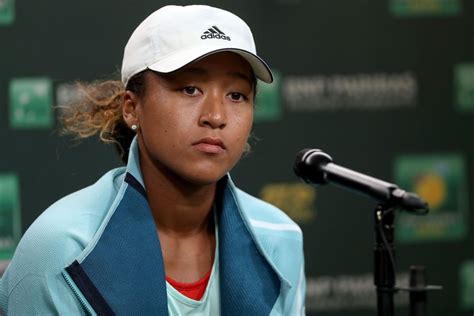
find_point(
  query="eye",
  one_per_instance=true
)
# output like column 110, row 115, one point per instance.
column 237, row 96
column 190, row 90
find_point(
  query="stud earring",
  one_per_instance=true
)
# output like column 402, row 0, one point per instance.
column 134, row 127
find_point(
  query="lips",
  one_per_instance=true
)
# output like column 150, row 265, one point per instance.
column 210, row 145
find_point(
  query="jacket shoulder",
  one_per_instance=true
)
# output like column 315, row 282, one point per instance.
column 64, row 229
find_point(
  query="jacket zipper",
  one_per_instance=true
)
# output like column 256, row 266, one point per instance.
column 77, row 294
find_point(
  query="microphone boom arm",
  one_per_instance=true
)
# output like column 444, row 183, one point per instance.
column 317, row 168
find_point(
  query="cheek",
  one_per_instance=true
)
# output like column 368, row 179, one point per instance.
column 244, row 126
column 157, row 127
column 247, row 120
column 167, row 129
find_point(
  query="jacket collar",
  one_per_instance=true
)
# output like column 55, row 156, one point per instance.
column 133, row 164
column 123, row 272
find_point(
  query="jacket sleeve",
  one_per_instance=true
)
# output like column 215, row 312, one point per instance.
column 27, row 297
column 36, row 295
column 33, row 283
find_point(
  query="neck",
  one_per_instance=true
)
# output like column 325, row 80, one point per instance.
column 178, row 208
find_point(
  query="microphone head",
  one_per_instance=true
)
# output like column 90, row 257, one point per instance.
column 414, row 204
column 308, row 165
column 410, row 202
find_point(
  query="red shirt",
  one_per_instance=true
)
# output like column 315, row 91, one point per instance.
column 193, row 290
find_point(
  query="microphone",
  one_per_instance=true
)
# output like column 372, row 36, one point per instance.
column 316, row 167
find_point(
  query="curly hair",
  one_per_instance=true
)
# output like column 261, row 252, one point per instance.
column 99, row 111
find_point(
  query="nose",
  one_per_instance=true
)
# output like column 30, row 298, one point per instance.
column 213, row 112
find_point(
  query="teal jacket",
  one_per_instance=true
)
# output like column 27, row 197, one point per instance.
column 97, row 252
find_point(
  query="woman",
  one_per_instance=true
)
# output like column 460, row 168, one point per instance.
column 169, row 233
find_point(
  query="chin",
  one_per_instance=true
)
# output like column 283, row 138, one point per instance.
column 205, row 173
column 204, row 179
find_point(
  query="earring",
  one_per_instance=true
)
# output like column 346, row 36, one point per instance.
column 134, row 127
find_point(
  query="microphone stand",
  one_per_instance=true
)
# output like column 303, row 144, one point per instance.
column 316, row 167
column 384, row 259
column 384, row 268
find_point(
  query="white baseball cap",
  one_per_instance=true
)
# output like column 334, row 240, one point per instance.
column 174, row 36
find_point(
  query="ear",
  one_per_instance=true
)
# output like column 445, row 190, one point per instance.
column 130, row 108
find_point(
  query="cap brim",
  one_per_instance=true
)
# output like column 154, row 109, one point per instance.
column 178, row 60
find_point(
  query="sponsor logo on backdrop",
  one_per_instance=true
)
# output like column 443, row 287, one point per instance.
column 30, row 103
column 295, row 199
column 268, row 102
column 440, row 180
column 351, row 91
column 407, row 8
column 464, row 86
column 348, row 292
column 7, row 12
column 466, row 281
column 10, row 228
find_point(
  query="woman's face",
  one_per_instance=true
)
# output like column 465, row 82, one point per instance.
column 195, row 122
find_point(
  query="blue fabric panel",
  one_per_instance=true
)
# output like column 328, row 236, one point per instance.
column 126, row 265
column 249, row 286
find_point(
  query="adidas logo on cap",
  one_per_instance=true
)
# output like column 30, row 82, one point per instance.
column 214, row 32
